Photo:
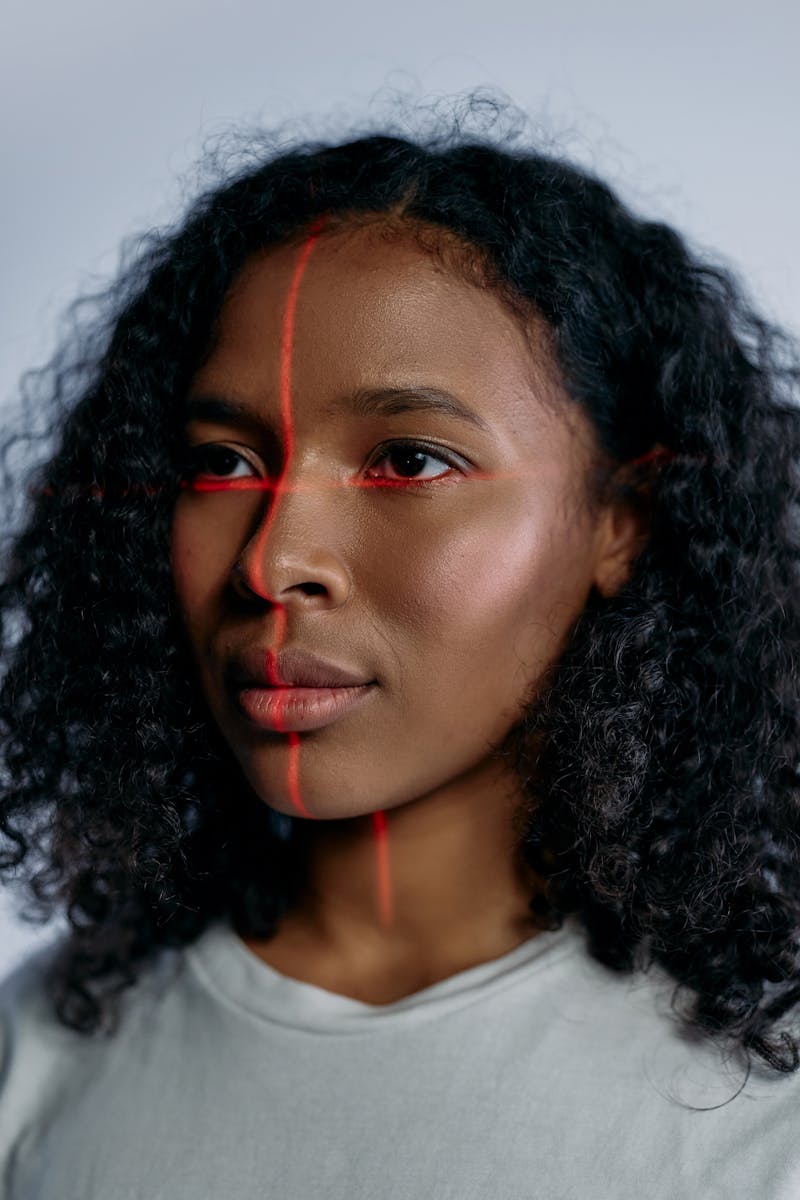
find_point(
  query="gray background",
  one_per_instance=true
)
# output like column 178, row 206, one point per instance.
column 689, row 109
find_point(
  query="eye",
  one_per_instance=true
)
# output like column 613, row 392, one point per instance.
column 406, row 457
column 221, row 459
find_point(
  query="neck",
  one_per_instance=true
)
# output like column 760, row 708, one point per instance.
column 443, row 886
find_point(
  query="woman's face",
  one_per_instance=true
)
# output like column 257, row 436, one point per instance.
column 453, row 589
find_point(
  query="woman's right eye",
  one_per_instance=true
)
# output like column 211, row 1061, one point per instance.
column 220, row 459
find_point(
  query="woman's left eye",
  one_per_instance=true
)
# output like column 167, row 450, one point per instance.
column 407, row 455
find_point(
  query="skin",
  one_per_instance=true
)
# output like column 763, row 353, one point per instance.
column 455, row 594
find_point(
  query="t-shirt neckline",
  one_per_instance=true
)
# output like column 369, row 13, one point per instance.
column 226, row 965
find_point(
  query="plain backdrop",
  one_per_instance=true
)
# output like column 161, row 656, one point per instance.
column 689, row 108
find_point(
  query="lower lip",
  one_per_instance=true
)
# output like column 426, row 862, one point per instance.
column 293, row 709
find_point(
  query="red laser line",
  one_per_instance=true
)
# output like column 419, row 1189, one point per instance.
column 381, row 836
column 287, row 425
column 293, row 770
column 285, row 377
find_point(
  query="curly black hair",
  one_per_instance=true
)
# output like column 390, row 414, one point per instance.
column 659, row 761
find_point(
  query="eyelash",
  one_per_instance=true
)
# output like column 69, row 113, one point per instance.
column 195, row 455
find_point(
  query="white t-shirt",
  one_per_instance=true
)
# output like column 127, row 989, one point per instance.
column 540, row 1074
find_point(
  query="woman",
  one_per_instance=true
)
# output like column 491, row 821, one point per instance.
column 405, row 714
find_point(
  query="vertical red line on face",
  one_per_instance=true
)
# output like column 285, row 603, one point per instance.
column 287, row 427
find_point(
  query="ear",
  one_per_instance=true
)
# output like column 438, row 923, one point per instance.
column 623, row 530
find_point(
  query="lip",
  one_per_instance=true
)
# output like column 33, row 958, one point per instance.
column 294, row 709
column 290, row 666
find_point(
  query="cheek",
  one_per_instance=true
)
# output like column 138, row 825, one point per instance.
column 197, row 559
column 484, row 606
column 481, row 573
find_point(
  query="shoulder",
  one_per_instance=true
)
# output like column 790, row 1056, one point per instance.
column 35, row 1049
column 642, row 1030
column 43, row 1062
column 32, row 1038
column 687, row 1114
column 23, row 1003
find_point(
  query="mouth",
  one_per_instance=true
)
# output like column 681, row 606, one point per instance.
column 290, row 667
column 291, row 708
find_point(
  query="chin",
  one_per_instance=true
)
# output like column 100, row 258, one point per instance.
column 314, row 807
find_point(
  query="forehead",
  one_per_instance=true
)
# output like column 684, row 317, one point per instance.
column 373, row 307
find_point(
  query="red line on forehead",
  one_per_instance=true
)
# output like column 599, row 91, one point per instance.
column 287, row 336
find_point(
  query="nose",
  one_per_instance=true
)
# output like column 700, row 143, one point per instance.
column 296, row 552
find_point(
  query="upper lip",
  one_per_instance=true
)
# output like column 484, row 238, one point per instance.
column 290, row 667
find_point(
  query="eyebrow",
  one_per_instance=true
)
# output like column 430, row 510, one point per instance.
column 387, row 401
